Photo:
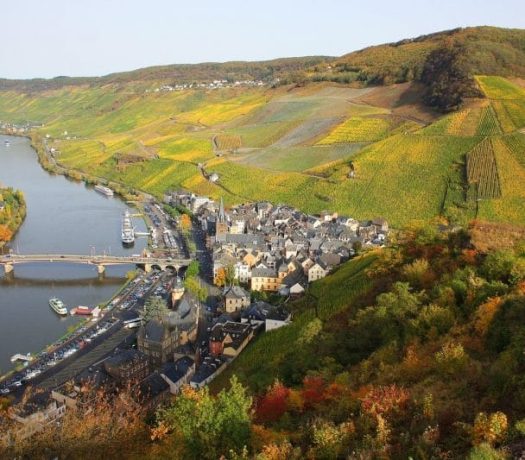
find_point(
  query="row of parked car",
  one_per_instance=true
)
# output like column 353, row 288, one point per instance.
column 47, row 360
column 137, row 293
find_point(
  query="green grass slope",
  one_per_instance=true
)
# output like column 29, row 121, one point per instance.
column 294, row 143
column 260, row 362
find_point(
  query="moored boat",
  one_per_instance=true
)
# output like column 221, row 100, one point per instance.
column 104, row 190
column 81, row 310
column 127, row 231
column 58, row 306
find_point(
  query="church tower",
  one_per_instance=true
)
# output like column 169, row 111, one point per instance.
column 222, row 224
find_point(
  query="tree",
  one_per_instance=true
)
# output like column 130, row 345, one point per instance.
column 272, row 406
column 446, row 77
column 489, row 428
column 229, row 275
column 5, row 233
column 193, row 268
column 185, row 222
column 498, row 265
column 155, row 308
column 210, row 427
column 193, row 285
column 220, row 277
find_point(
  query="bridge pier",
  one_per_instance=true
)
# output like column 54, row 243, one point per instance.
column 101, row 269
column 147, row 268
column 9, row 269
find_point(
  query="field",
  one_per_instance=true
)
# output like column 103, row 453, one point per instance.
column 358, row 129
column 509, row 208
column 507, row 99
column 227, row 142
column 293, row 145
column 298, row 159
column 483, row 171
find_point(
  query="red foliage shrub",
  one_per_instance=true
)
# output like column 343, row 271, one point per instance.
column 273, row 404
column 384, row 400
column 313, row 391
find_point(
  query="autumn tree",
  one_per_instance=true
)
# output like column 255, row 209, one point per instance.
column 185, row 222
column 446, row 77
column 273, row 404
column 155, row 308
column 220, row 277
column 489, row 428
column 5, row 233
column 208, row 426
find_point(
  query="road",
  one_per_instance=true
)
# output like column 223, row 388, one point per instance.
column 93, row 342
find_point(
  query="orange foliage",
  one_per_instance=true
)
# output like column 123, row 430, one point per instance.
column 489, row 428
column 5, row 233
column 469, row 256
column 262, row 437
column 185, row 222
column 485, row 314
column 220, row 278
column 385, row 399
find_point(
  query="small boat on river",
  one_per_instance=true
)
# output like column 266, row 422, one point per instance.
column 81, row 310
column 58, row 306
column 104, row 190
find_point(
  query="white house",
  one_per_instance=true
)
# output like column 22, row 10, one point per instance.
column 316, row 272
column 243, row 272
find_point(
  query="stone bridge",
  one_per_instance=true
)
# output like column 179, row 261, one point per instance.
column 9, row 261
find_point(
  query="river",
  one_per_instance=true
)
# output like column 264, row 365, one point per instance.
column 63, row 216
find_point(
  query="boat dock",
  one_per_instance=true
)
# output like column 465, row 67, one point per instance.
column 20, row 357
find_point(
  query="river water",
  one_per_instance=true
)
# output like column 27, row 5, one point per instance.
column 66, row 217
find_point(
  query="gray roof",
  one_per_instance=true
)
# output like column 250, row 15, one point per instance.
column 152, row 386
column 123, row 359
column 235, row 292
column 177, row 370
column 264, row 272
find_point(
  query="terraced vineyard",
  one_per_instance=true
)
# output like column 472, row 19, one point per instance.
column 488, row 125
column 483, row 171
column 358, row 129
column 227, row 142
column 516, row 144
column 293, row 145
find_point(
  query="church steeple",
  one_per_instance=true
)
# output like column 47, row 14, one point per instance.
column 222, row 215
column 221, row 227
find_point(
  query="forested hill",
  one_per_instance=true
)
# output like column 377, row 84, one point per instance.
column 488, row 51
column 180, row 73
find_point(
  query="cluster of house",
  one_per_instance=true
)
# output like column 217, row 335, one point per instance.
column 167, row 356
column 278, row 248
column 12, row 128
column 215, row 84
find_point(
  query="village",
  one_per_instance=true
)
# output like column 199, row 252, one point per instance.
column 169, row 329
column 215, row 84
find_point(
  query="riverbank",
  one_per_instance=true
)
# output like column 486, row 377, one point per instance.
column 12, row 213
column 63, row 216
column 48, row 162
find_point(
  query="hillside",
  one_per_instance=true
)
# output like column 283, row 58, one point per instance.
column 397, row 340
column 294, row 143
column 178, row 73
column 488, row 50
column 415, row 351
